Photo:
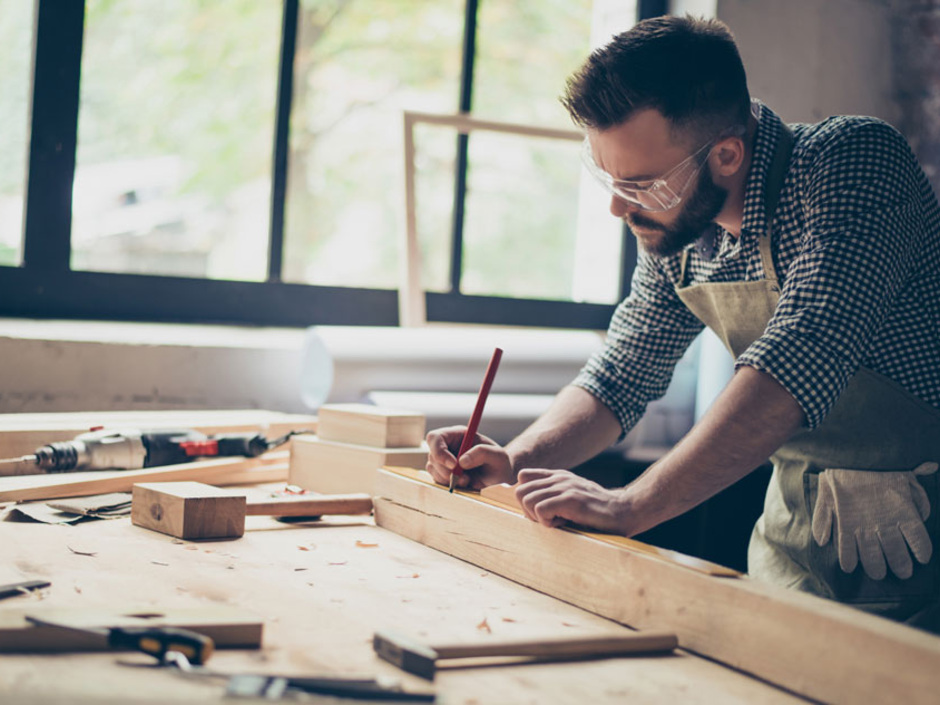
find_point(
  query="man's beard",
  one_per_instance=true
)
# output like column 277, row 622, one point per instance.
column 699, row 211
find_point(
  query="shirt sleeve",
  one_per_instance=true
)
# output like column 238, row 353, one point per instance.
column 862, row 220
column 649, row 332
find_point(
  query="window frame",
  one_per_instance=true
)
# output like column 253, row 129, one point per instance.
column 44, row 286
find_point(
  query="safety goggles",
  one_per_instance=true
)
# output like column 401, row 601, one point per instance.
column 657, row 195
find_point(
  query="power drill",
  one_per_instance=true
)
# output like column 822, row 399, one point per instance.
column 131, row 449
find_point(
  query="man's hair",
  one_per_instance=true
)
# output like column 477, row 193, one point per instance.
column 688, row 69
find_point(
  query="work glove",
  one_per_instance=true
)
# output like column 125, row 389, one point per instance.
column 877, row 516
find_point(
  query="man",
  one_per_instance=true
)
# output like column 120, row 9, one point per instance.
column 813, row 251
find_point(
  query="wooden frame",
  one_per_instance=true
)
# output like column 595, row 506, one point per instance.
column 814, row 647
column 411, row 306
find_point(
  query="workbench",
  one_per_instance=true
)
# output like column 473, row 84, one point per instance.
column 321, row 589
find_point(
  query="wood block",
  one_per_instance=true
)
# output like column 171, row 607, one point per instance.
column 189, row 510
column 818, row 648
column 228, row 627
column 336, row 468
column 367, row 425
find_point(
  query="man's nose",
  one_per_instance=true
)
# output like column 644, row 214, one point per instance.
column 620, row 208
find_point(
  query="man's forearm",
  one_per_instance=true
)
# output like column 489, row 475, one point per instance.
column 751, row 418
column 575, row 427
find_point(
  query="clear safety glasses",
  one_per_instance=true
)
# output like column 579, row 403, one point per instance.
column 662, row 194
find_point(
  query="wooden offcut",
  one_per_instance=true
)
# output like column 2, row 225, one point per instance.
column 368, row 425
column 194, row 510
column 228, row 627
column 270, row 467
column 340, row 468
column 818, row 648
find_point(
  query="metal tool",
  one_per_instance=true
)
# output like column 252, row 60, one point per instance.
column 23, row 588
column 132, row 449
column 276, row 687
column 158, row 642
column 421, row 659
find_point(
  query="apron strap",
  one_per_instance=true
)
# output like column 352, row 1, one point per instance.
column 776, row 175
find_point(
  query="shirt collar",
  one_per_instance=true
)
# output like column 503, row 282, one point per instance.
column 769, row 129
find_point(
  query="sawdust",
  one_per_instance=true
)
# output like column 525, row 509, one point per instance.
column 484, row 626
column 363, row 544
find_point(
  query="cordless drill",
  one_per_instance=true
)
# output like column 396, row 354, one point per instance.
column 131, row 449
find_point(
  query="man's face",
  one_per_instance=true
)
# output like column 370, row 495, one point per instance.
column 643, row 149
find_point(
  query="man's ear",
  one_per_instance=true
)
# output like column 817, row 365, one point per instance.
column 728, row 156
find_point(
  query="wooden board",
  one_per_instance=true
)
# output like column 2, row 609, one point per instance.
column 340, row 468
column 368, row 425
column 228, row 627
column 270, row 467
column 22, row 434
column 815, row 647
column 504, row 495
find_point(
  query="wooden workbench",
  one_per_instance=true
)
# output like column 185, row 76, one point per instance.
column 321, row 590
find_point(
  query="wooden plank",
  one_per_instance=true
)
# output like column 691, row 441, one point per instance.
column 228, row 627
column 270, row 467
column 340, row 468
column 815, row 647
column 504, row 495
column 369, row 425
column 21, row 434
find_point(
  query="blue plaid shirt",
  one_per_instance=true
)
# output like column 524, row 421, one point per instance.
column 856, row 240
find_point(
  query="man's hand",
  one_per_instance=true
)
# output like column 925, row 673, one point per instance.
column 552, row 497
column 486, row 463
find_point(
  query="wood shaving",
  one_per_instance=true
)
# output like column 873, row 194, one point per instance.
column 363, row 544
column 484, row 626
column 508, row 619
column 409, row 577
column 568, row 624
column 82, row 553
column 302, row 548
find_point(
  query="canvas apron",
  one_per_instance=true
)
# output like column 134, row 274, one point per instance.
column 875, row 426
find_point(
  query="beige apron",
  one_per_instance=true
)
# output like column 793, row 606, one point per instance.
column 876, row 426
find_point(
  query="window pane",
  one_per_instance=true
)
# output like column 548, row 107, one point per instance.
column 529, row 232
column 16, row 38
column 359, row 65
column 175, row 137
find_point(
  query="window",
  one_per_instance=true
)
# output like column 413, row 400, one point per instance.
column 241, row 162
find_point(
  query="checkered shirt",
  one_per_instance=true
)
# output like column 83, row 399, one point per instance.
column 856, row 240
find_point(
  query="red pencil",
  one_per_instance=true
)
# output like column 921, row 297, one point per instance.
column 474, row 423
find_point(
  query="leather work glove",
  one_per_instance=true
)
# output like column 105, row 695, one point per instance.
column 877, row 516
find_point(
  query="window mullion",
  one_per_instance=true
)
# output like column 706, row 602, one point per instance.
column 57, row 59
column 285, row 92
column 463, row 145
